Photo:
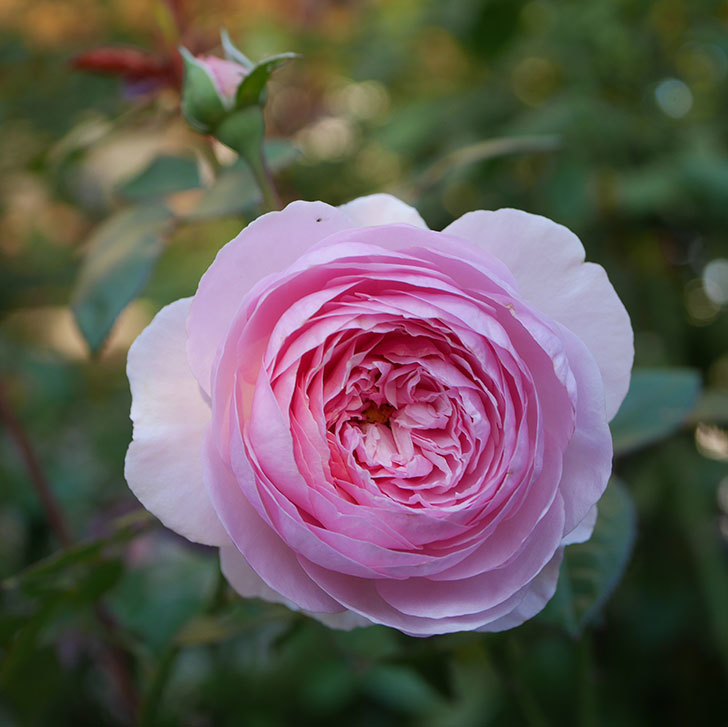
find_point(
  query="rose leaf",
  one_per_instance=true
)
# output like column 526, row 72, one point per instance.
column 118, row 262
column 163, row 176
column 252, row 89
column 658, row 403
column 590, row 571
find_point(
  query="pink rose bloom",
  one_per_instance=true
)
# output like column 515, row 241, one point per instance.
column 226, row 75
column 379, row 423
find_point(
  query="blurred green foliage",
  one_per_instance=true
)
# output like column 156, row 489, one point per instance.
column 617, row 106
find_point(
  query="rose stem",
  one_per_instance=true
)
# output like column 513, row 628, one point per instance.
column 115, row 657
column 264, row 180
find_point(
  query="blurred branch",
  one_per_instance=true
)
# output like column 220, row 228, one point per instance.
column 264, row 178
column 483, row 151
column 113, row 655
column 37, row 476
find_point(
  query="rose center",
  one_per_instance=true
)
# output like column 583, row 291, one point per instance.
column 378, row 414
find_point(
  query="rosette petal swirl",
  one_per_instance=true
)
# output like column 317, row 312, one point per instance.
column 379, row 423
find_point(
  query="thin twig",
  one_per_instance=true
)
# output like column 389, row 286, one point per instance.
column 115, row 658
column 37, row 475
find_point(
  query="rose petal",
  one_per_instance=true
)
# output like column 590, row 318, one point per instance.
column 583, row 531
column 444, row 599
column 266, row 246
column 265, row 552
column 250, row 585
column 245, row 580
column 588, row 458
column 382, row 209
column 361, row 596
column 538, row 593
column 547, row 261
column 163, row 464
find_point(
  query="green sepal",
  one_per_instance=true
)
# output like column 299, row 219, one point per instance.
column 202, row 105
column 243, row 131
column 233, row 53
column 251, row 91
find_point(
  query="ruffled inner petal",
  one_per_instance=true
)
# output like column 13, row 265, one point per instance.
column 396, row 415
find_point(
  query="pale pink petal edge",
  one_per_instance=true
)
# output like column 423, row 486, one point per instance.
column 163, row 464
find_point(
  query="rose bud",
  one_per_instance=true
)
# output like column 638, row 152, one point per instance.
column 210, row 85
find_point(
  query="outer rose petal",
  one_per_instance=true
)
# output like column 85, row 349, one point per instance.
column 274, row 561
column 164, row 461
column 245, row 580
column 539, row 593
column 382, row 209
column 547, row 261
column 250, row 585
column 267, row 245
column 588, row 458
column 583, row 531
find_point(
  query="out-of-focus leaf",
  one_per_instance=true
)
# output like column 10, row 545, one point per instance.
column 658, row 403
column 478, row 692
column 119, row 259
column 280, row 153
column 590, row 571
column 99, row 579
column 484, row 150
column 179, row 578
column 252, row 90
column 25, row 640
column 692, row 483
column 61, row 562
column 78, row 594
column 400, row 688
column 164, row 175
column 712, row 407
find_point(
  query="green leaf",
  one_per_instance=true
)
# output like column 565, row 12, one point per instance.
column 25, row 642
column 164, row 175
column 483, row 151
column 400, row 688
column 590, row 571
column 252, row 90
column 232, row 52
column 202, row 105
column 118, row 262
column 280, row 153
column 712, row 407
column 658, row 403
column 83, row 591
column 81, row 554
